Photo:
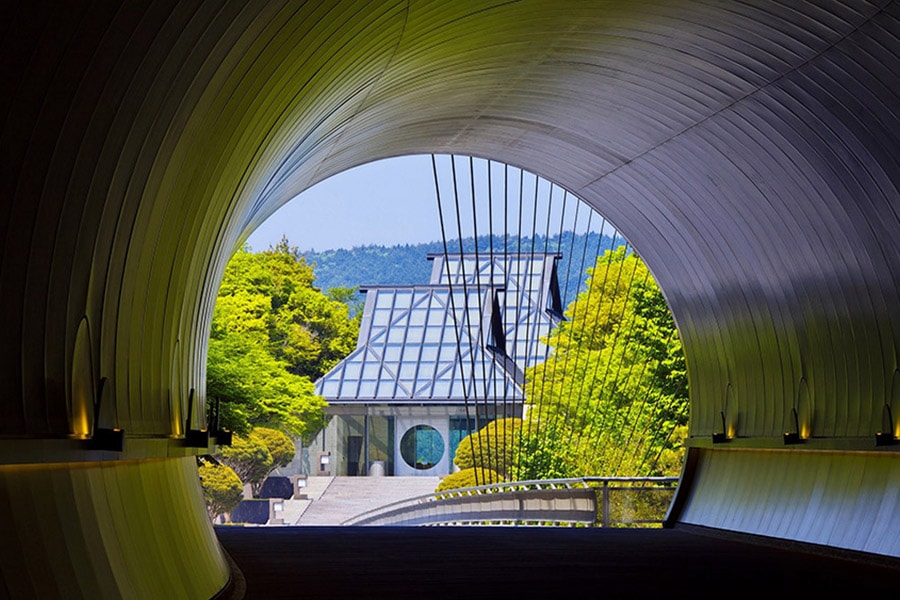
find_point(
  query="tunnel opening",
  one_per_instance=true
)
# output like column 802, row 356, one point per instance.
column 538, row 347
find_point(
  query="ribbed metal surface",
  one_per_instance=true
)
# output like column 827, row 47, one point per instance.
column 842, row 500
column 749, row 151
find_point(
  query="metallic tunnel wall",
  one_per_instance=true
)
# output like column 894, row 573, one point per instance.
column 748, row 150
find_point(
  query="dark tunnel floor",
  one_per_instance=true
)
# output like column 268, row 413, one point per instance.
column 472, row 562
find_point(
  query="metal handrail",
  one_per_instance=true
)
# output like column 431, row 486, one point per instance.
column 513, row 486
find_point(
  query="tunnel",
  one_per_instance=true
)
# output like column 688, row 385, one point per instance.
column 749, row 151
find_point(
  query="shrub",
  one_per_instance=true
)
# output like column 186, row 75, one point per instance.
column 467, row 478
column 495, row 447
column 222, row 488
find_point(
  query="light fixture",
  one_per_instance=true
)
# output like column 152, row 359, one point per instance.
column 721, row 438
column 104, row 438
column 886, row 438
column 793, row 437
column 223, row 437
column 194, row 438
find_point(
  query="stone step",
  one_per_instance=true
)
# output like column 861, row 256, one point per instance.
column 346, row 497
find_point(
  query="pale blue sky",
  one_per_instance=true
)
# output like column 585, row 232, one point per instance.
column 386, row 202
column 393, row 202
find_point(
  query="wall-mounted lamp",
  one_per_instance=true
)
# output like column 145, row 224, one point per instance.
column 793, row 437
column 886, row 438
column 103, row 438
column 194, row 438
column 223, row 437
column 721, row 438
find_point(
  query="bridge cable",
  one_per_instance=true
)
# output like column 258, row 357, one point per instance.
column 453, row 310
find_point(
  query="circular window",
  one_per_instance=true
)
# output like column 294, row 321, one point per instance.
column 422, row 447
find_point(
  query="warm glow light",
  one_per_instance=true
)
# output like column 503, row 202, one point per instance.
column 81, row 420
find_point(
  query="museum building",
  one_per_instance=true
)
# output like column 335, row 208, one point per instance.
column 435, row 362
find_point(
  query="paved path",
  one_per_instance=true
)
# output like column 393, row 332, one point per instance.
column 346, row 497
column 508, row 562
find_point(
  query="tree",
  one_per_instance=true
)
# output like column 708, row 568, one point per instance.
column 614, row 385
column 257, row 389
column 249, row 458
column 222, row 488
column 254, row 457
column 272, row 332
column 281, row 448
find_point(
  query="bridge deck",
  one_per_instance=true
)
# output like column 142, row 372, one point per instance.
column 445, row 562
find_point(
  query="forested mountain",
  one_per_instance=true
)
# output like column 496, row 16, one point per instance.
column 407, row 264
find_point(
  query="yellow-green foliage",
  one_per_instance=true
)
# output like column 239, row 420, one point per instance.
column 249, row 458
column 272, row 334
column 468, row 478
column 255, row 456
column 495, row 447
column 280, row 446
column 614, row 388
column 222, row 488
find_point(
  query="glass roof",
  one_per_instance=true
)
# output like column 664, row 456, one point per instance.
column 467, row 335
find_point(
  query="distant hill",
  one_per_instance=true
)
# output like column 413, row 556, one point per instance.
column 407, row 264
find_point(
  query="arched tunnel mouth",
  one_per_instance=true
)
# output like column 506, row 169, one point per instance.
column 529, row 343
column 749, row 150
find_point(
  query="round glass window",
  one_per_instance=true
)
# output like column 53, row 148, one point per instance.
column 422, row 447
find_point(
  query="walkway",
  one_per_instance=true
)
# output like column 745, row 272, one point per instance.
column 505, row 562
column 332, row 500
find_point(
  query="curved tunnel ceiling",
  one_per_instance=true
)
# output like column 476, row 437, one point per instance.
column 748, row 150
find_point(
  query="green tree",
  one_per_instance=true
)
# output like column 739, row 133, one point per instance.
column 222, row 488
column 544, row 453
column 281, row 448
column 614, row 385
column 272, row 332
column 254, row 457
column 349, row 296
column 256, row 388
column 494, row 446
column 249, row 458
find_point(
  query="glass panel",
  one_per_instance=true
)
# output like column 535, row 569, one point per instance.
column 384, row 299
column 422, row 447
column 330, row 388
column 429, row 353
column 460, row 427
column 349, row 388
column 408, row 370
column 371, row 370
column 395, row 335
column 381, row 441
column 414, row 335
column 386, row 388
column 392, row 352
column 367, row 388
column 403, row 299
column 417, row 316
column 441, row 389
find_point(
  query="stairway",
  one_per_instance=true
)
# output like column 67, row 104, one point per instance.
column 345, row 497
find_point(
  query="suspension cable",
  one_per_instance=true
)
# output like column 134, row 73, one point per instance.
column 453, row 312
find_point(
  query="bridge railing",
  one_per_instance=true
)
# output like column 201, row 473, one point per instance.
column 585, row 501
